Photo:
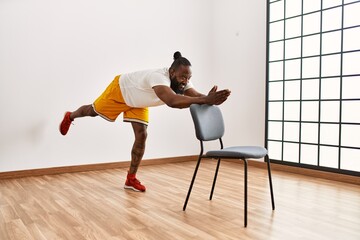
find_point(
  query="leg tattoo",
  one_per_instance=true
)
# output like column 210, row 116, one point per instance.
column 137, row 152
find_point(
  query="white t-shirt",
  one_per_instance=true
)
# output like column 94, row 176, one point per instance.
column 137, row 87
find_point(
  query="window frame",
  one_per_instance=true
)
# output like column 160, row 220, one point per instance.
column 300, row 122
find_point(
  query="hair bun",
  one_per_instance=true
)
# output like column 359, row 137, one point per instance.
column 177, row 55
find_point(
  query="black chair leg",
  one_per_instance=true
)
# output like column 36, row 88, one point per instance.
column 192, row 182
column 216, row 173
column 245, row 191
column 270, row 182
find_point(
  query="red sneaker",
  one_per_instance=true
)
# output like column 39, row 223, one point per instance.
column 65, row 124
column 133, row 183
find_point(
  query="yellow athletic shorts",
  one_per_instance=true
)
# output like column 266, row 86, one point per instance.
column 111, row 103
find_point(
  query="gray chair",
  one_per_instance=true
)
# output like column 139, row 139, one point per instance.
column 209, row 126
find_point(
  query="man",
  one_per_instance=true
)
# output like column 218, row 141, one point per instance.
column 132, row 94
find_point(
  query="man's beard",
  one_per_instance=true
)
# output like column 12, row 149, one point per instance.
column 175, row 86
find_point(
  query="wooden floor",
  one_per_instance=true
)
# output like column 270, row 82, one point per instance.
column 94, row 205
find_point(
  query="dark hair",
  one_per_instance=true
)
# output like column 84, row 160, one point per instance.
column 179, row 60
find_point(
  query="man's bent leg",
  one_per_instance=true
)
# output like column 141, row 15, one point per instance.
column 83, row 111
column 137, row 152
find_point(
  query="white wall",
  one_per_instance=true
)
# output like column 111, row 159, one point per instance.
column 58, row 55
column 239, row 48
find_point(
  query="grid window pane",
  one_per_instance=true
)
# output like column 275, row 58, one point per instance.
column 350, row 159
column 276, row 71
column 309, row 154
column 350, row 1
column 351, row 63
column 275, row 110
column 293, row 27
column 310, row 111
column 292, row 69
column 310, row 67
column 311, row 45
column 314, row 56
column 276, row 50
column 330, row 111
column 350, row 111
column 311, row 5
column 331, row 19
column 277, row 11
column 309, row 132
column 331, row 42
column 291, row 152
column 329, row 156
column 275, row 130
column 274, row 149
column 331, row 65
column 352, row 39
column 276, row 31
column 351, row 15
column 329, row 134
column 351, row 87
column 293, row 8
column 275, row 91
column 330, row 88
column 311, row 23
column 292, row 111
column 293, row 48
column 310, row 89
column 291, row 131
column 292, row 90
column 331, row 3
column 350, row 135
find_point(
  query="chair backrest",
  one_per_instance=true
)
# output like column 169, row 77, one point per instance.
column 208, row 121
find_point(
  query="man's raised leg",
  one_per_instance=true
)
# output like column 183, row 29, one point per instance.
column 83, row 111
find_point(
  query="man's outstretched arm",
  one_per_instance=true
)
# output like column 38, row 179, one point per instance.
column 191, row 92
column 170, row 98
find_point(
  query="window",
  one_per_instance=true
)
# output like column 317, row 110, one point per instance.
column 313, row 84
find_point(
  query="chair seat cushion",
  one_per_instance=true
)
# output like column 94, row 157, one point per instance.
column 238, row 152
